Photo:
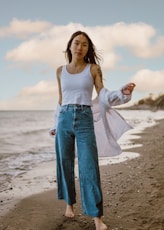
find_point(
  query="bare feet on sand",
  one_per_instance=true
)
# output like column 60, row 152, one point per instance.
column 97, row 220
column 99, row 224
column 69, row 211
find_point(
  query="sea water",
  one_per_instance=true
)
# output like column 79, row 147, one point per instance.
column 25, row 141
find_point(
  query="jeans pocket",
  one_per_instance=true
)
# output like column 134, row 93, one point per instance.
column 62, row 110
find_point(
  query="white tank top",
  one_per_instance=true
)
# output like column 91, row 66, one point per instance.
column 77, row 88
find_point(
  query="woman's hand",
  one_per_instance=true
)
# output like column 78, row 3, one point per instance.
column 53, row 132
column 128, row 89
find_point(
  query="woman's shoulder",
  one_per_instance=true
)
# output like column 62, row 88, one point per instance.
column 95, row 68
column 58, row 71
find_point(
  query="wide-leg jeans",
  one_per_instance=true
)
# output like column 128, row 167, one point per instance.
column 75, row 122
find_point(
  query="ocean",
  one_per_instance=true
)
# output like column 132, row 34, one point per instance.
column 25, row 141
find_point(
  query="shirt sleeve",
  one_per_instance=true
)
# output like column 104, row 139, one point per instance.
column 56, row 115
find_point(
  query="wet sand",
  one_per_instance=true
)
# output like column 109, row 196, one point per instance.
column 133, row 195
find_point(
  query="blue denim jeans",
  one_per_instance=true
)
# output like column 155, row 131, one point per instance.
column 75, row 122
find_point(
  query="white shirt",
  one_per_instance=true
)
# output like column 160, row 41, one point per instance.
column 108, row 123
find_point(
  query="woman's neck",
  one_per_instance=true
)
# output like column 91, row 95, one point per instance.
column 77, row 63
column 76, row 66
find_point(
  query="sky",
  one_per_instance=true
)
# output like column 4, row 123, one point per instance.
column 128, row 34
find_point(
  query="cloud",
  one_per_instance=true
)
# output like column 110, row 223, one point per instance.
column 148, row 80
column 43, row 95
column 23, row 28
column 48, row 46
column 41, row 88
column 137, row 37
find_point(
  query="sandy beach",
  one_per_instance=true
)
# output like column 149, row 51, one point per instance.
column 133, row 194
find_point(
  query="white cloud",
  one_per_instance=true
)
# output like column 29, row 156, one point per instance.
column 43, row 95
column 137, row 37
column 47, row 43
column 41, row 88
column 23, row 28
column 148, row 80
column 48, row 47
column 42, row 51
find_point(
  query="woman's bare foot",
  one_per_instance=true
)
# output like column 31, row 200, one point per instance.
column 99, row 224
column 69, row 211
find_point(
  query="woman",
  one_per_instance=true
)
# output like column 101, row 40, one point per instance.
column 75, row 122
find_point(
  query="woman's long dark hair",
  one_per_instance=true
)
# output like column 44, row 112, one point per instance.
column 91, row 57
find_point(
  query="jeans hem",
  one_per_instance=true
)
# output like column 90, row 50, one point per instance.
column 93, row 214
column 69, row 203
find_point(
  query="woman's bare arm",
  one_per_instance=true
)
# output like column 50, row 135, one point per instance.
column 97, row 77
column 58, row 73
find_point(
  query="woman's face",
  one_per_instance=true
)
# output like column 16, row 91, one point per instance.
column 79, row 47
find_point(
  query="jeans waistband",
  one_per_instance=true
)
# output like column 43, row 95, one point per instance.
column 76, row 106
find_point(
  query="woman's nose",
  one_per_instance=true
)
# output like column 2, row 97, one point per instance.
column 79, row 47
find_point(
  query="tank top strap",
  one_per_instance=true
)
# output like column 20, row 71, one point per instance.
column 87, row 68
column 64, row 70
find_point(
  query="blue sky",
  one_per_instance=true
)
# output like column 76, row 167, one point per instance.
column 33, row 35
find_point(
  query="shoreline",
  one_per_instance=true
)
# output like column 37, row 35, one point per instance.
column 132, row 193
column 42, row 178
